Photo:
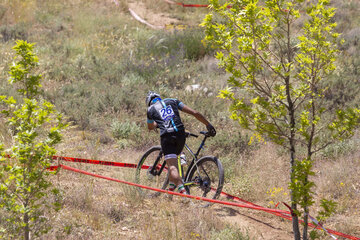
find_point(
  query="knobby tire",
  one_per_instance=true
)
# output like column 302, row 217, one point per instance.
column 210, row 171
column 144, row 177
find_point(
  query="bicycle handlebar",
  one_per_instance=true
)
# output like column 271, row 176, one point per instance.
column 205, row 133
column 189, row 134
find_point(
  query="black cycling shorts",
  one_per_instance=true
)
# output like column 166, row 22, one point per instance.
column 173, row 143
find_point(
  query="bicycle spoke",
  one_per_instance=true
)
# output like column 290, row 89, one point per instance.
column 205, row 176
column 155, row 176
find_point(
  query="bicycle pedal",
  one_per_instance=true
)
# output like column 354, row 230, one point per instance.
column 197, row 180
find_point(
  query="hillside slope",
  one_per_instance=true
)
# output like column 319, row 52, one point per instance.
column 98, row 63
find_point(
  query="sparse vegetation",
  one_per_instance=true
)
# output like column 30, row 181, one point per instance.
column 98, row 64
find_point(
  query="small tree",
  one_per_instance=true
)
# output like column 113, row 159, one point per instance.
column 35, row 126
column 279, row 53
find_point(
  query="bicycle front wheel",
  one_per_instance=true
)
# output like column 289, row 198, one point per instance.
column 206, row 178
column 151, row 171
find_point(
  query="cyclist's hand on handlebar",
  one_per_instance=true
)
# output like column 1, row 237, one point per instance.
column 211, row 130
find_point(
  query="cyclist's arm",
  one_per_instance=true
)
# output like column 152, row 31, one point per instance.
column 151, row 125
column 196, row 114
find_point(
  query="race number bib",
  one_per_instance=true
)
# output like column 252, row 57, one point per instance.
column 167, row 113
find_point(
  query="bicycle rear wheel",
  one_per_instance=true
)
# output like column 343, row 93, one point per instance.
column 206, row 178
column 151, row 175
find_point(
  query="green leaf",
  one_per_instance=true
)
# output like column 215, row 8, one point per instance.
column 36, row 128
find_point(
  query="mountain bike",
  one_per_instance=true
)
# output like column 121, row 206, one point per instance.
column 203, row 176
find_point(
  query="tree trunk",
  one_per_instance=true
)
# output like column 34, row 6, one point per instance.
column 26, row 228
column 306, row 218
column 306, row 213
column 295, row 219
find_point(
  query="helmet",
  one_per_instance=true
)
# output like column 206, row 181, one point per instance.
column 151, row 96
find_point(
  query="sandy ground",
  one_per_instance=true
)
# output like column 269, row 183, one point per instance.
column 158, row 20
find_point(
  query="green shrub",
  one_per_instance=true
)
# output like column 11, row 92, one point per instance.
column 229, row 233
column 124, row 130
column 149, row 70
column 14, row 32
column 84, row 100
column 231, row 142
column 185, row 44
column 25, row 185
column 240, row 184
column 339, row 149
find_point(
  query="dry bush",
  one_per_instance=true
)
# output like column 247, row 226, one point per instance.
column 92, row 208
column 338, row 180
column 5, row 136
column 16, row 11
column 262, row 170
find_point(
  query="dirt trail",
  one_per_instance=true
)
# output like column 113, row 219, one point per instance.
column 157, row 19
column 258, row 225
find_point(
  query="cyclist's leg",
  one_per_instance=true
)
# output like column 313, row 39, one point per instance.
column 172, row 145
column 172, row 186
column 174, row 176
column 172, row 163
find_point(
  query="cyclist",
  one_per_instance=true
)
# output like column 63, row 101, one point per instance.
column 164, row 114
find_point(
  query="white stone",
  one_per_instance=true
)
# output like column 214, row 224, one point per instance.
column 192, row 88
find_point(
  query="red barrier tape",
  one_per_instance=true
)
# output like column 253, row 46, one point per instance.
column 199, row 5
column 280, row 213
column 285, row 214
column 250, row 205
column 106, row 163
column 189, row 5
column 53, row 168
column 130, row 165
column 170, row 192
column 288, row 215
column 319, row 224
column 186, row 5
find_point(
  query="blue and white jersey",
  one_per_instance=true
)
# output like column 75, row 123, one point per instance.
column 166, row 114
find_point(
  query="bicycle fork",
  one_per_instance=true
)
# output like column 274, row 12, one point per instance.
column 153, row 169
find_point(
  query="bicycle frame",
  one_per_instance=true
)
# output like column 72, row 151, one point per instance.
column 194, row 160
column 157, row 170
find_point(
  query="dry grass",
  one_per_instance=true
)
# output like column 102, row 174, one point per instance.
column 18, row 11
column 258, row 174
column 75, row 32
column 263, row 176
column 268, row 169
column 99, row 209
column 5, row 136
column 339, row 180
